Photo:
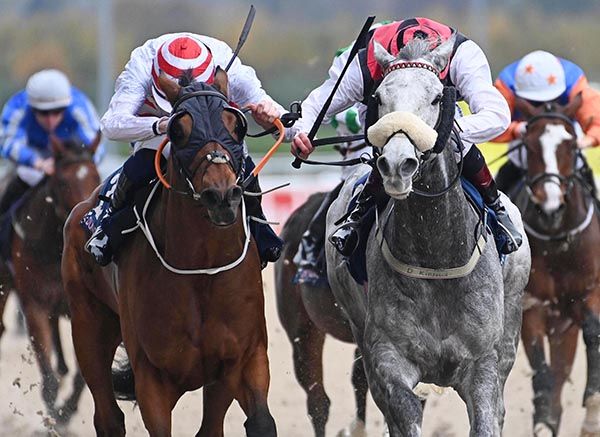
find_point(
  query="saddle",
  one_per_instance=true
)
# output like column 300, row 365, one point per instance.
column 357, row 262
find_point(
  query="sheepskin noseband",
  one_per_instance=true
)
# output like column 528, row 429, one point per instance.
column 418, row 132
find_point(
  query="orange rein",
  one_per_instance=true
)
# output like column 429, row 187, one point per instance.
column 255, row 172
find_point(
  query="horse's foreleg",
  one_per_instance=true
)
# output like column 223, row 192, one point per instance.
column 308, row 366
column 359, row 381
column 391, row 380
column 4, row 292
column 591, row 337
column 252, row 395
column 40, row 333
column 479, row 390
column 563, row 345
column 156, row 396
column 217, row 399
column 61, row 365
column 532, row 334
column 96, row 335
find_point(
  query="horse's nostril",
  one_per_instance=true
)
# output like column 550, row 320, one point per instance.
column 234, row 194
column 383, row 166
column 408, row 167
column 210, row 197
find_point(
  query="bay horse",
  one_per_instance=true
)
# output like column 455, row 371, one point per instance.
column 308, row 313
column 182, row 327
column 563, row 293
column 36, row 248
column 440, row 307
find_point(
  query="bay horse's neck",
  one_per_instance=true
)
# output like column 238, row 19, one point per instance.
column 433, row 232
column 38, row 223
column 190, row 239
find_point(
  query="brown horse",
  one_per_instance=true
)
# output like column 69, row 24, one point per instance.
column 307, row 314
column 36, row 250
column 563, row 294
column 181, row 331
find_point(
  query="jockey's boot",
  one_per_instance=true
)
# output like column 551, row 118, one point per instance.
column 307, row 257
column 268, row 243
column 485, row 184
column 347, row 236
column 14, row 191
column 98, row 244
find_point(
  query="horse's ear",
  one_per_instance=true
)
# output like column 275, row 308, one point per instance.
column 440, row 56
column 525, row 108
column 573, row 106
column 94, row 145
column 384, row 59
column 221, row 82
column 169, row 87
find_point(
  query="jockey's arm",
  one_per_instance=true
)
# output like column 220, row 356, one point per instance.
column 349, row 92
column 470, row 72
column 245, row 89
column 120, row 122
column 88, row 125
column 516, row 127
column 588, row 114
column 13, row 137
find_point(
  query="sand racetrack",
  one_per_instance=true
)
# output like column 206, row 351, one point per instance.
column 21, row 407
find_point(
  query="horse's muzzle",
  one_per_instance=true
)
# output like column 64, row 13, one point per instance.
column 222, row 207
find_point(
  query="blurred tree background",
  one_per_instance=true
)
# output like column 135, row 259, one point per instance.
column 292, row 42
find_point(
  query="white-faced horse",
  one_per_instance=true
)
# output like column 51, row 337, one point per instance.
column 440, row 306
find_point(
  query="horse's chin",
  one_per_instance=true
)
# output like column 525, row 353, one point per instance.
column 222, row 217
column 398, row 190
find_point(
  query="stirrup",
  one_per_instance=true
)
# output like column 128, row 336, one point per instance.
column 345, row 239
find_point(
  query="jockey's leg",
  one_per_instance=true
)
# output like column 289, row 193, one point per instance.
column 16, row 188
column 313, row 239
column 477, row 172
column 346, row 237
column 268, row 243
column 137, row 172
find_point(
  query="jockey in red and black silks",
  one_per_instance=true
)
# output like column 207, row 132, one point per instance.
column 394, row 36
column 467, row 70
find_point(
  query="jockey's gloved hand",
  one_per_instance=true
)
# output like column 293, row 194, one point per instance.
column 264, row 113
column 585, row 142
column 46, row 165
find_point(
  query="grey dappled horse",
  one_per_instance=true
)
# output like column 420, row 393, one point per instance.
column 460, row 332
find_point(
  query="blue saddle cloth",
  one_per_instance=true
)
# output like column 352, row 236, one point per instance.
column 357, row 262
column 94, row 217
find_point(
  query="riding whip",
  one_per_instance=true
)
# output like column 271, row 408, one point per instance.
column 243, row 35
column 355, row 47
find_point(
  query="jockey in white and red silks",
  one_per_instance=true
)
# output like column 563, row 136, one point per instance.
column 467, row 70
column 139, row 114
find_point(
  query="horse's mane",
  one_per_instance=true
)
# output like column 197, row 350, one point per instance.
column 186, row 78
column 415, row 49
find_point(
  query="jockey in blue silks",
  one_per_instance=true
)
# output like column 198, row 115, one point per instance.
column 48, row 106
column 139, row 113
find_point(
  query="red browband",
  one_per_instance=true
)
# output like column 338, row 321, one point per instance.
column 410, row 64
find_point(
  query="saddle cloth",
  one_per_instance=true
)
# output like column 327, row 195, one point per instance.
column 357, row 262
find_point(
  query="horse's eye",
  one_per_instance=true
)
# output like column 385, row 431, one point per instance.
column 437, row 100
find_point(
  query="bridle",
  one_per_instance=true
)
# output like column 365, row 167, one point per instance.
column 213, row 157
column 569, row 180
column 430, row 156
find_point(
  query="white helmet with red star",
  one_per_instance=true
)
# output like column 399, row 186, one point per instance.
column 540, row 77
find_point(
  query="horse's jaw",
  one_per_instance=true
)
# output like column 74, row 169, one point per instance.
column 397, row 188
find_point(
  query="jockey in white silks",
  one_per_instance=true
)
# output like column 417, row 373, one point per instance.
column 467, row 70
column 139, row 113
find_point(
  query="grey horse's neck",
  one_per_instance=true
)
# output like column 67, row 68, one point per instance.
column 434, row 232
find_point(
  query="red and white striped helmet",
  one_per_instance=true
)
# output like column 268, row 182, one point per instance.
column 176, row 57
